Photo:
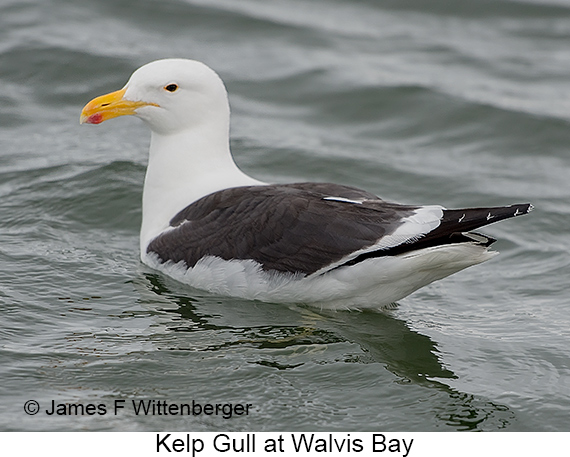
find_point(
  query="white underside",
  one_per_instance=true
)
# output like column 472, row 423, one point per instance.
column 372, row 284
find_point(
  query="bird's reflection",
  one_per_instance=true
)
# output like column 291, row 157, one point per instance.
column 414, row 358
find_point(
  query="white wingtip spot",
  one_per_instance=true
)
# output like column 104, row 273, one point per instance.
column 518, row 212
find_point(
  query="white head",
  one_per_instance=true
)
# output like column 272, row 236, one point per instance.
column 185, row 104
column 170, row 95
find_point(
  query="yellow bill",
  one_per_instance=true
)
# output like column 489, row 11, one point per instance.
column 109, row 106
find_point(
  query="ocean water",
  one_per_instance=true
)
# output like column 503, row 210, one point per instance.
column 441, row 102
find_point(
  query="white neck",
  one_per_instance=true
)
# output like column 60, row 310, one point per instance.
column 182, row 168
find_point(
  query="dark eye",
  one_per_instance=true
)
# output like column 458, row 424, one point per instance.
column 171, row 87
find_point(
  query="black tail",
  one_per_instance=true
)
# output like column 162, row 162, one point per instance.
column 454, row 227
column 455, row 223
column 465, row 220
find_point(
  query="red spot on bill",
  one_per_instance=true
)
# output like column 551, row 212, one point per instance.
column 96, row 118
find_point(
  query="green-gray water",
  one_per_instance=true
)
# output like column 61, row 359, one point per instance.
column 445, row 102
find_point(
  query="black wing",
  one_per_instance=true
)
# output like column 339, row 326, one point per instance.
column 303, row 227
column 291, row 227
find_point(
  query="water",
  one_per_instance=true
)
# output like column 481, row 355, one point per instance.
column 448, row 102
